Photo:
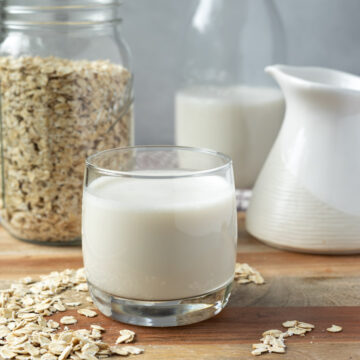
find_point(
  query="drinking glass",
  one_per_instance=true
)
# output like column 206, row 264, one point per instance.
column 159, row 228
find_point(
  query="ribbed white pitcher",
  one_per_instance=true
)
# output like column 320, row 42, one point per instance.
column 307, row 196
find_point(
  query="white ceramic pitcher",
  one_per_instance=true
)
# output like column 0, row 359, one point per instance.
column 307, row 196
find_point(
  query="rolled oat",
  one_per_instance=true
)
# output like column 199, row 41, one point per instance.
column 87, row 312
column 126, row 336
column 245, row 274
column 55, row 112
column 273, row 341
column 334, row 328
column 25, row 334
column 68, row 320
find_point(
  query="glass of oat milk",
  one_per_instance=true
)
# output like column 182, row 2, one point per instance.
column 159, row 230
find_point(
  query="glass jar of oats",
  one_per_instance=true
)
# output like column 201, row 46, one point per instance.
column 66, row 92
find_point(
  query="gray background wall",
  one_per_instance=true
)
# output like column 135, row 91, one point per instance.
column 318, row 32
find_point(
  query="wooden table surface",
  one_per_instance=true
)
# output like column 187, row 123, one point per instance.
column 322, row 290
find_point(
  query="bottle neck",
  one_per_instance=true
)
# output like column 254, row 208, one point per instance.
column 18, row 14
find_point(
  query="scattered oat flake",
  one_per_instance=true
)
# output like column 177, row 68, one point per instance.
column 7, row 353
column 334, row 328
column 296, row 331
column 90, row 349
column 290, row 323
column 27, row 280
column 277, row 349
column 82, row 287
column 305, row 325
column 66, row 352
column 260, row 350
column 275, row 333
column 87, row 312
column 48, row 356
column 57, row 348
column 97, row 327
column 245, row 274
column 273, row 340
column 68, row 320
column 77, row 303
column 126, row 350
column 25, row 332
column 59, row 307
column 126, row 336
column 243, row 281
column 4, row 331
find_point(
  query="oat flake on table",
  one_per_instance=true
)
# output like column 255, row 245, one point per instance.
column 26, row 334
column 245, row 274
column 273, row 341
column 334, row 329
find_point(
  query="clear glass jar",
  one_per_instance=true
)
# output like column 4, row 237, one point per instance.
column 66, row 92
column 225, row 100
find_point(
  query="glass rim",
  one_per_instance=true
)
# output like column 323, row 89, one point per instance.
column 121, row 173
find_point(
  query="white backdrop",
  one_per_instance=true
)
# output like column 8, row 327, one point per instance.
column 318, row 32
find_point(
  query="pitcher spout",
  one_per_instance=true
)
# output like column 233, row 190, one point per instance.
column 315, row 77
column 325, row 84
column 275, row 70
column 287, row 77
column 279, row 73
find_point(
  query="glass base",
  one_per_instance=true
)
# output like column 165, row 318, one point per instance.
column 161, row 313
column 243, row 198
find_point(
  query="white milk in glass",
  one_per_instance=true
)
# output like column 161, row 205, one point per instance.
column 240, row 121
column 159, row 239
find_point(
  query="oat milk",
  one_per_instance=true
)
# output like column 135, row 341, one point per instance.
column 240, row 121
column 159, row 239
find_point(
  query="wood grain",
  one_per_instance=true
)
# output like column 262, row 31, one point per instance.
column 241, row 352
column 230, row 334
column 299, row 291
column 238, row 325
column 319, row 289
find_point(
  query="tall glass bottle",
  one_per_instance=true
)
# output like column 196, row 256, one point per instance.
column 225, row 101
